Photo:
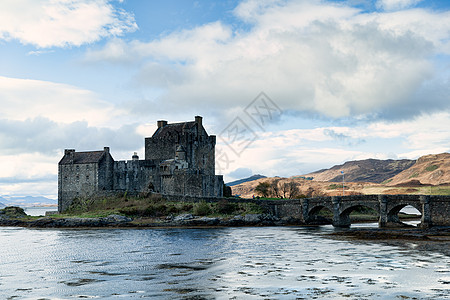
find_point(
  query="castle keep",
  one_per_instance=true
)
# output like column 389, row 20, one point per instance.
column 179, row 160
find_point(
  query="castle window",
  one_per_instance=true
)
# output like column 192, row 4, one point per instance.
column 77, row 177
column 78, row 168
column 87, row 177
column 87, row 167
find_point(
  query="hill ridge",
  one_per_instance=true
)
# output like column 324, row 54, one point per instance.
column 366, row 170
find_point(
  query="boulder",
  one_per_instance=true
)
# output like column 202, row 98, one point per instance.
column 183, row 217
column 206, row 221
column 252, row 219
column 117, row 219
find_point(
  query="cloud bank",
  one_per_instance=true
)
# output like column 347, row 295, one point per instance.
column 316, row 57
column 60, row 23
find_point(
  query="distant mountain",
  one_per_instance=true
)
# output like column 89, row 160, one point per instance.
column 251, row 178
column 26, row 201
column 2, row 205
column 429, row 169
column 368, row 170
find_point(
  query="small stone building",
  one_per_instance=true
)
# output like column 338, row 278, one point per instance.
column 179, row 160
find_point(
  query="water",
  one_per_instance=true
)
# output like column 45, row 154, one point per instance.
column 39, row 210
column 216, row 263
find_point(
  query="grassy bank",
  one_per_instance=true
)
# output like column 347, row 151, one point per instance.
column 155, row 206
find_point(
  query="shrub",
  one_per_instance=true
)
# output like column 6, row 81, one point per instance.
column 186, row 207
column 202, row 209
column 155, row 210
column 225, row 207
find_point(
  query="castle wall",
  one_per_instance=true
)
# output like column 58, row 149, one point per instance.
column 160, row 148
column 74, row 181
column 200, row 148
column 203, row 156
column 136, row 175
column 105, row 173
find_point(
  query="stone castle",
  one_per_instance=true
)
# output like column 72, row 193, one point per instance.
column 179, row 160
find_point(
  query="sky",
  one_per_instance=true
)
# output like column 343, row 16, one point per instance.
column 288, row 87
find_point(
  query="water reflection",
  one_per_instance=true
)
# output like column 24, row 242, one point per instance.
column 224, row 263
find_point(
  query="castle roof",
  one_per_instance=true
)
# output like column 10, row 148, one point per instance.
column 82, row 157
column 174, row 128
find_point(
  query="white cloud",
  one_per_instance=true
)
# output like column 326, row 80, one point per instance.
column 427, row 133
column 396, row 4
column 28, row 174
column 311, row 56
column 23, row 99
column 300, row 151
column 59, row 23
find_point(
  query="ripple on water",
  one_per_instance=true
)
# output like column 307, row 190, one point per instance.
column 272, row 263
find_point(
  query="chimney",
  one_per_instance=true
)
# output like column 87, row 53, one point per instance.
column 161, row 123
column 135, row 156
column 68, row 151
column 198, row 120
column 106, row 149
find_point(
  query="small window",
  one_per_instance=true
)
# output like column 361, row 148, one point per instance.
column 87, row 177
column 77, row 177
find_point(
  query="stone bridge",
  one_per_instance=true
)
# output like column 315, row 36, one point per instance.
column 435, row 210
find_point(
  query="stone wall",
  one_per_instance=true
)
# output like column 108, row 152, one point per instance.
column 76, row 181
column 439, row 210
column 106, row 172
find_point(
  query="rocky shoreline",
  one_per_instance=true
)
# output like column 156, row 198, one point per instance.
column 184, row 220
column 15, row 217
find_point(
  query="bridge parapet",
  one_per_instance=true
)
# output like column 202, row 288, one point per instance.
column 435, row 210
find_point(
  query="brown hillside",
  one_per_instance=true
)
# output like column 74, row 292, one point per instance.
column 433, row 169
column 367, row 170
column 308, row 188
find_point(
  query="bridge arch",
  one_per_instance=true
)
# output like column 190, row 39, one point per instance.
column 344, row 215
column 315, row 217
column 393, row 212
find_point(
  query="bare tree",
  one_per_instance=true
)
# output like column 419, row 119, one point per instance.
column 285, row 189
column 274, row 188
column 263, row 189
column 293, row 189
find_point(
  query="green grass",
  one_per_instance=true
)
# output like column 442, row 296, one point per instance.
column 155, row 207
column 431, row 168
column 414, row 175
column 335, row 186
